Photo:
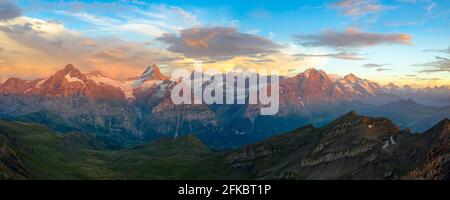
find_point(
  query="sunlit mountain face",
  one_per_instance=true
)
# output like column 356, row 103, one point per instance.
column 356, row 89
column 400, row 41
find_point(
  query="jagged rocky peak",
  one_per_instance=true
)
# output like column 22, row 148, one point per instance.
column 442, row 127
column 14, row 85
column 392, row 86
column 351, row 78
column 153, row 73
column 15, row 81
column 445, row 124
column 69, row 68
column 380, row 126
column 68, row 72
column 313, row 73
column 352, row 115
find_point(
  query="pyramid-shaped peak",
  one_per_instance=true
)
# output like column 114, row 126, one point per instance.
column 312, row 72
column 392, row 86
column 69, row 66
column 349, row 117
column 351, row 78
column 351, row 114
column 153, row 73
column 70, row 69
column 311, row 69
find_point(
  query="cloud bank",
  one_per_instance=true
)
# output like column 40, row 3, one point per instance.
column 217, row 43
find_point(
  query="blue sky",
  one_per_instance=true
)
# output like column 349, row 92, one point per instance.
column 401, row 41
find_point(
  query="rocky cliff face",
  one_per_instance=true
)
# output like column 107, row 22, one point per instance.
column 351, row 147
column 437, row 166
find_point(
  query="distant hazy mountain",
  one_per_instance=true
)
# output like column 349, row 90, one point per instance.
column 350, row 147
column 431, row 96
column 410, row 114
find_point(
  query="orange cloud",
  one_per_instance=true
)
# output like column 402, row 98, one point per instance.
column 36, row 48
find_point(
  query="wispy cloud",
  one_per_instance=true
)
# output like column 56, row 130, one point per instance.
column 373, row 65
column 259, row 13
column 352, row 38
column 431, row 6
column 360, row 7
column 383, row 69
column 340, row 55
column 439, row 64
column 377, row 67
column 153, row 21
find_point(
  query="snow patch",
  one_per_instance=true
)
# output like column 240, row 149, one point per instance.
column 39, row 84
column 124, row 86
column 72, row 79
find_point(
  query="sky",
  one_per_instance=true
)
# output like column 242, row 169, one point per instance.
column 399, row 41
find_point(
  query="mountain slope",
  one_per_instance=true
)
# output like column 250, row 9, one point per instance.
column 410, row 114
column 139, row 109
column 351, row 147
column 437, row 166
column 31, row 151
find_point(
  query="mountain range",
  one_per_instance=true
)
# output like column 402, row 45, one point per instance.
column 350, row 147
column 139, row 109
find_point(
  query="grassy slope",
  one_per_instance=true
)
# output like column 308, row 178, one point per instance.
column 50, row 156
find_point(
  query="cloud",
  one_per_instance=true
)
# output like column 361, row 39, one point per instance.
column 217, row 43
column 430, row 7
column 352, row 38
column 383, row 69
column 340, row 55
column 48, row 45
column 428, row 79
column 373, row 65
column 263, row 60
column 8, row 10
column 377, row 67
column 439, row 64
column 407, row 23
column 360, row 7
column 118, row 54
column 172, row 17
column 438, row 50
column 259, row 13
column 148, row 19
